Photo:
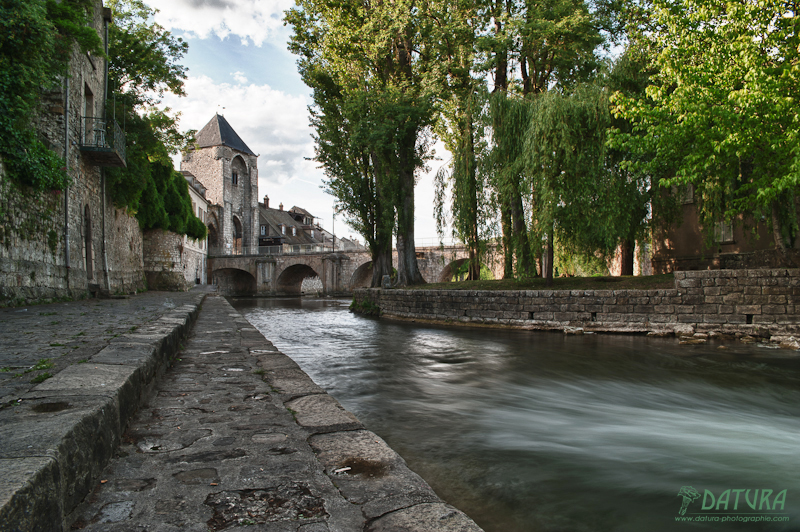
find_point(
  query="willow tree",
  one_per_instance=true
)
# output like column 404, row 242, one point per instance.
column 573, row 194
column 375, row 52
column 555, row 45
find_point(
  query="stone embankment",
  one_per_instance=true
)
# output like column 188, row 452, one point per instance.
column 234, row 434
column 742, row 303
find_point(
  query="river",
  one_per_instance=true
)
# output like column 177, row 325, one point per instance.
column 533, row 431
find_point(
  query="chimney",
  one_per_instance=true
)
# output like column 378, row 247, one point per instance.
column 266, row 201
column 280, row 206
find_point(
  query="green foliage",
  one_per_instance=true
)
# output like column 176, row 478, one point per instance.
column 721, row 111
column 143, row 65
column 367, row 66
column 36, row 39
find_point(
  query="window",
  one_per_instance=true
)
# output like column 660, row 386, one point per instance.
column 235, row 178
column 312, row 233
column 283, row 229
column 263, row 230
column 294, row 231
column 723, row 232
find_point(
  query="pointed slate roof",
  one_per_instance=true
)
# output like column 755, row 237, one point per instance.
column 218, row 132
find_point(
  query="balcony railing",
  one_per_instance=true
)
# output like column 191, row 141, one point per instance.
column 102, row 141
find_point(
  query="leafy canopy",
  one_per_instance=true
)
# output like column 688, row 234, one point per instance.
column 36, row 40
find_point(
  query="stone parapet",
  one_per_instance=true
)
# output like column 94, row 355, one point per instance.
column 729, row 301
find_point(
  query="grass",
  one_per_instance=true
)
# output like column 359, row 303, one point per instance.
column 647, row 282
column 44, row 363
column 41, row 378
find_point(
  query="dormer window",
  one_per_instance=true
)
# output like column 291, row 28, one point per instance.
column 294, row 231
column 312, row 233
column 283, row 229
column 235, row 178
column 263, row 230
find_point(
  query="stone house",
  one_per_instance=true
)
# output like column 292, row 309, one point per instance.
column 287, row 231
column 228, row 169
column 74, row 242
column 743, row 243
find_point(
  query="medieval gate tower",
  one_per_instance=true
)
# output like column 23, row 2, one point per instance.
column 223, row 163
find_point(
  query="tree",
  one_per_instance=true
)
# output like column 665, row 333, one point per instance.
column 375, row 54
column 143, row 65
column 343, row 146
column 555, row 44
column 564, row 168
column 36, row 40
column 461, row 96
column 721, row 112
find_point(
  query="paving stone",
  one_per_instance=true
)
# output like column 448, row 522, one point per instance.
column 216, row 447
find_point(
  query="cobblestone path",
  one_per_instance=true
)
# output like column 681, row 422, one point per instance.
column 236, row 435
column 41, row 339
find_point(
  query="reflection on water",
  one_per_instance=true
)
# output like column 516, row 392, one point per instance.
column 546, row 432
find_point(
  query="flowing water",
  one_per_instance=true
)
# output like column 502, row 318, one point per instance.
column 531, row 431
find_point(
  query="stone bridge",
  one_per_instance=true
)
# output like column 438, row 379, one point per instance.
column 340, row 272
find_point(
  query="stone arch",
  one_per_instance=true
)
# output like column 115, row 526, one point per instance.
column 237, row 235
column 290, row 281
column 214, row 242
column 450, row 270
column 234, row 282
column 239, row 172
column 362, row 277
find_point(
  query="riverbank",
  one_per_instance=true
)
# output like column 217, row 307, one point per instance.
column 735, row 303
column 208, row 431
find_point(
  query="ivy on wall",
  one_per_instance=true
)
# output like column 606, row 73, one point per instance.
column 36, row 37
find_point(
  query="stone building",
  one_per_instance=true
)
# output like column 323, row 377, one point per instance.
column 173, row 261
column 228, row 169
column 739, row 244
column 74, row 242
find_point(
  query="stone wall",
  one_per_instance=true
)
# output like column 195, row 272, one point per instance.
column 94, row 247
column 727, row 301
column 172, row 262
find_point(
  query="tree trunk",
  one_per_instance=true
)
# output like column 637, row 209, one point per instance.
column 522, row 248
column 407, row 268
column 626, row 256
column 381, row 265
column 508, row 242
column 549, row 253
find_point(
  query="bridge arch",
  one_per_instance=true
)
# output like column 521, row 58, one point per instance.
column 362, row 276
column 234, row 282
column 451, row 269
column 290, row 280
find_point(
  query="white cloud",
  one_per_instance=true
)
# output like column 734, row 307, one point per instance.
column 240, row 78
column 254, row 21
column 272, row 123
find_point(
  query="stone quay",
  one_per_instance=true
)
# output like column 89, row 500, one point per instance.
column 169, row 411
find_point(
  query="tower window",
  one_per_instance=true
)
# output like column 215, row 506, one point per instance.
column 235, row 178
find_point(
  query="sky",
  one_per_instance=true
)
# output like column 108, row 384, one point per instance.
column 239, row 66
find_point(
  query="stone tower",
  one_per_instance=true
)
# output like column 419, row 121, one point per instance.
column 228, row 169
